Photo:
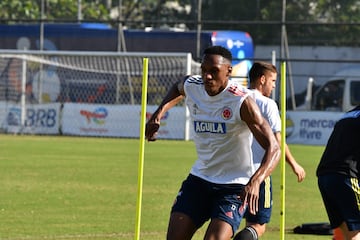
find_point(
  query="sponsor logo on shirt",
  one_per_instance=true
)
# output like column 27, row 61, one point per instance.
column 209, row 127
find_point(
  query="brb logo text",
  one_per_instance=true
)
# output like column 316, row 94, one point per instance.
column 34, row 117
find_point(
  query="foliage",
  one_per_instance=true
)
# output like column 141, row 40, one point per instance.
column 308, row 22
column 65, row 10
column 11, row 10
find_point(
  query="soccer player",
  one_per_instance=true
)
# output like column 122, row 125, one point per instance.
column 338, row 175
column 222, row 182
column 262, row 76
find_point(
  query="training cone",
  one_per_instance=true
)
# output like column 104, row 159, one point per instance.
column 337, row 234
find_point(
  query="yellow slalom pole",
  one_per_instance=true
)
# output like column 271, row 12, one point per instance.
column 283, row 141
column 141, row 148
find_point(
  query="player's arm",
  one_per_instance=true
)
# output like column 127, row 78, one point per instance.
column 295, row 166
column 173, row 97
column 273, row 117
column 250, row 113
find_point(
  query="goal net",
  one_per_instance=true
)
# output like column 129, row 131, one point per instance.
column 29, row 79
column 89, row 77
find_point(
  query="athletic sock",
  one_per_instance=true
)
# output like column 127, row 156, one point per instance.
column 248, row 233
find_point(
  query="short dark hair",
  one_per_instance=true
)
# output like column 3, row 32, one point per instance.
column 219, row 50
column 259, row 68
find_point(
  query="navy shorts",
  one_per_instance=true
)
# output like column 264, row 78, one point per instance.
column 341, row 197
column 202, row 200
column 265, row 204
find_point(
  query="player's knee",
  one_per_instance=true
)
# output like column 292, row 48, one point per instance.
column 248, row 233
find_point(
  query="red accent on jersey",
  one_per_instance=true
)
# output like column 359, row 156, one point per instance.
column 236, row 91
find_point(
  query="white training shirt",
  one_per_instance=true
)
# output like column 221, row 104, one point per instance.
column 223, row 141
column 270, row 112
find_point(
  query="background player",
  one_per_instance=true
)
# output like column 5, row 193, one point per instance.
column 338, row 175
column 263, row 77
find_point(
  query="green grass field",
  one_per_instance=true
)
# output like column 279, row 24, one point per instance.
column 86, row 188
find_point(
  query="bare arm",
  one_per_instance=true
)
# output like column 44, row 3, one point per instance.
column 296, row 167
column 261, row 130
column 173, row 97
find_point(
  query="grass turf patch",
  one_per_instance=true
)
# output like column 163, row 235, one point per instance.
column 85, row 188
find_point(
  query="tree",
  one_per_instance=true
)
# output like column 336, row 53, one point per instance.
column 308, row 22
column 155, row 14
column 343, row 18
column 12, row 11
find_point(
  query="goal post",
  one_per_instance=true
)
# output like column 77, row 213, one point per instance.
column 105, row 80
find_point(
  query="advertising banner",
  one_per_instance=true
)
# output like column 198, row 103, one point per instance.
column 310, row 128
column 38, row 119
column 118, row 120
column 302, row 127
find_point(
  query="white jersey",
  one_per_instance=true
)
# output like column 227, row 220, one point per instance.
column 223, row 141
column 270, row 112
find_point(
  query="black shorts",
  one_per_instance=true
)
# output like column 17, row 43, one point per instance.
column 265, row 204
column 202, row 200
column 341, row 197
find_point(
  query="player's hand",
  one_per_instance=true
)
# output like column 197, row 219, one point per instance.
column 151, row 130
column 299, row 171
column 251, row 197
